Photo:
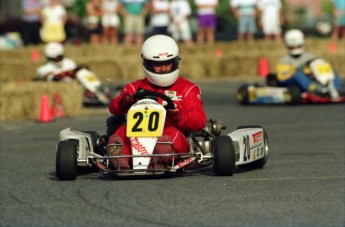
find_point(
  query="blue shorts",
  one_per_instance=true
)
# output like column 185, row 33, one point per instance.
column 246, row 24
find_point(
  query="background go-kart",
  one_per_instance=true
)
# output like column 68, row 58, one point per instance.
column 20, row 98
column 302, row 183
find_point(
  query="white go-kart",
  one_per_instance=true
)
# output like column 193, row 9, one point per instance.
column 245, row 147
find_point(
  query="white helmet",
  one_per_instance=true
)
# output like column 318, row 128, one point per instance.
column 160, row 48
column 53, row 50
column 294, row 41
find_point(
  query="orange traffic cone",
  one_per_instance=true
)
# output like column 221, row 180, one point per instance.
column 58, row 110
column 263, row 67
column 332, row 48
column 45, row 111
column 35, row 55
column 218, row 53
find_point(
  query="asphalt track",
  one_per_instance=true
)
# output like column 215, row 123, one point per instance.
column 302, row 184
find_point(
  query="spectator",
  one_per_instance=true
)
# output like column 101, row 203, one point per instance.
column 270, row 18
column 338, row 15
column 110, row 21
column 160, row 18
column 180, row 11
column 206, row 10
column 134, row 13
column 53, row 18
column 245, row 13
column 31, row 22
column 94, row 14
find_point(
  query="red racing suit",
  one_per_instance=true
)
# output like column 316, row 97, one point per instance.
column 187, row 98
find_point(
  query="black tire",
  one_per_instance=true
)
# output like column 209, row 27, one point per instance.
column 223, row 156
column 295, row 95
column 271, row 80
column 260, row 162
column 66, row 160
column 242, row 94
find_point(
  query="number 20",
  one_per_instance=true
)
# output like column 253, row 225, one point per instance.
column 246, row 143
column 152, row 124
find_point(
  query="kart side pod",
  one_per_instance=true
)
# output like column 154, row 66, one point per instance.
column 251, row 146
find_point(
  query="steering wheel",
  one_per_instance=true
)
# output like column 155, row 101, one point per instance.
column 141, row 94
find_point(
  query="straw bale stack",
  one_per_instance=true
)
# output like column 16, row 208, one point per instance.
column 21, row 99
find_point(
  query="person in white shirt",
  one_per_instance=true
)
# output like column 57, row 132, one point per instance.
column 110, row 21
column 53, row 19
column 245, row 13
column 207, row 21
column 180, row 11
column 160, row 18
column 270, row 18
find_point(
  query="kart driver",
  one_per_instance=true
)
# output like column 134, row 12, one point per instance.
column 291, row 69
column 160, row 59
column 56, row 63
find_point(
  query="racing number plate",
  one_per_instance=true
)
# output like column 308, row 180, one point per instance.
column 145, row 123
column 90, row 77
column 322, row 69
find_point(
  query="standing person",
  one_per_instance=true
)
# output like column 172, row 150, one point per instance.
column 134, row 13
column 207, row 21
column 31, row 21
column 53, row 19
column 110, row 21
column 180, row 11
column 338, row 15
column 94, row 14
column 160, row 18
column 245, row 12
column 161, row 64
column 270, row 18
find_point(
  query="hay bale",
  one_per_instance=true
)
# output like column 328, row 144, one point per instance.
column 21, row 100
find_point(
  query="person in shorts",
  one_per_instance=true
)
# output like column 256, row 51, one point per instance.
column 110, row 21
column 134, row 13
column 180, row 11
column 207, row 21
column 245, row 13
column 270, row 18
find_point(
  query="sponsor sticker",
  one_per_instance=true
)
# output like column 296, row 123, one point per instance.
column 257, row 137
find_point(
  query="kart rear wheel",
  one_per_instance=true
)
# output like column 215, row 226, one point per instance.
column 66, row 161
column 295, row 95
column 242, row 94
column 223, row 156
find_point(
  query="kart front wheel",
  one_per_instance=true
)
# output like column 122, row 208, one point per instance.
column 242, row 94
column 223, row 156
column 66, row 161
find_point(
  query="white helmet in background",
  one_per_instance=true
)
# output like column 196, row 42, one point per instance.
column 160, row 48
column 54, row 51
column 294, row 41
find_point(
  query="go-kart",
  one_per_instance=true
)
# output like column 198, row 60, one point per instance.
column 272, row 92
column 245, row 147
column 96, row 93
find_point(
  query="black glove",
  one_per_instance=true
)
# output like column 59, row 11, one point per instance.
column 126, row 101
column 173, row 116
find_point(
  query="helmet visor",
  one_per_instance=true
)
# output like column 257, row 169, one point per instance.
column 151, row 65
column 56, row 59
